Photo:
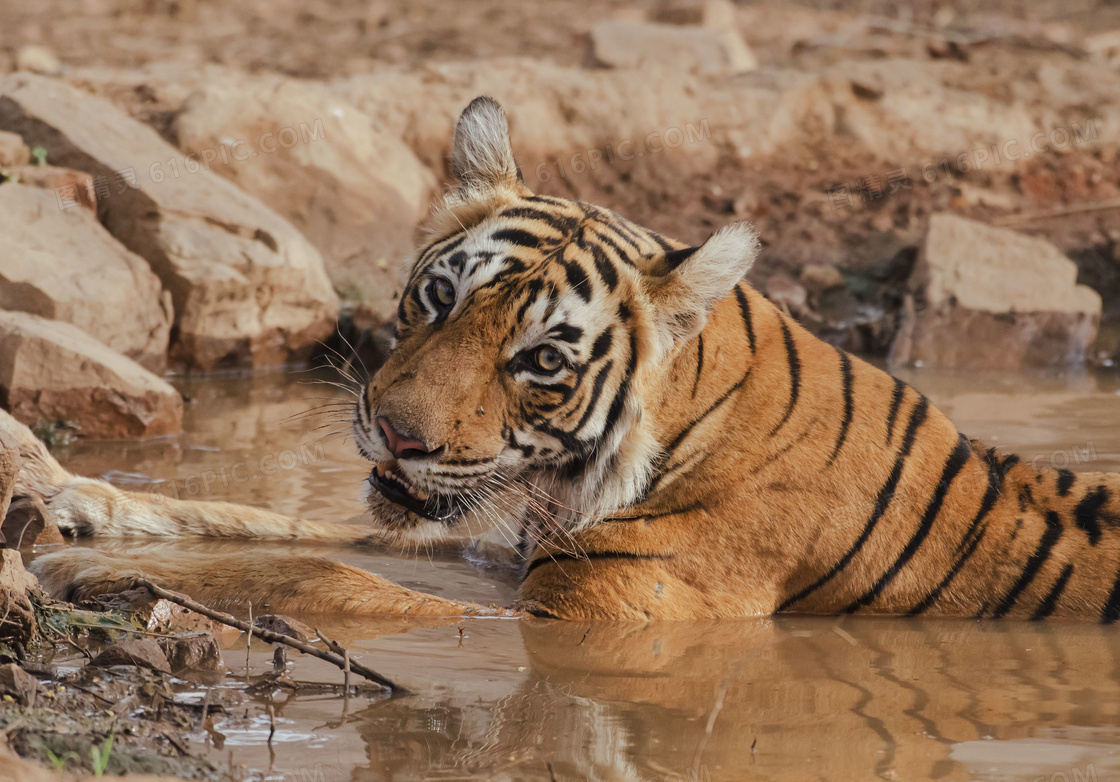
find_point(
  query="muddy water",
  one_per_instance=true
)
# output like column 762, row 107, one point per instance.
column 790, row 699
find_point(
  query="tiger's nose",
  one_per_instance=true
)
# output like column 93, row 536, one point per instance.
column 404, row 447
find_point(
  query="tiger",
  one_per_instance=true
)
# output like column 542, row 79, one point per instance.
column 664, row 442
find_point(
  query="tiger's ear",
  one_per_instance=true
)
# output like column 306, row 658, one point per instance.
column 481, row 154
column 694, row 279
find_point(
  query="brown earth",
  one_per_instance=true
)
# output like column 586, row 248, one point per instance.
column 857, row 126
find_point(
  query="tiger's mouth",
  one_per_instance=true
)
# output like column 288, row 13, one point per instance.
column 392, row 484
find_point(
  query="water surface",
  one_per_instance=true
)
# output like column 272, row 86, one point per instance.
column 795, row 698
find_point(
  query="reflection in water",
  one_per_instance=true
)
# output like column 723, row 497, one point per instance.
column 795, row 698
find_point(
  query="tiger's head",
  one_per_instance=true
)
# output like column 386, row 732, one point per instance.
column 529, row 333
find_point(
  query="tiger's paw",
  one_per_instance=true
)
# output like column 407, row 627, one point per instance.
column 78, row 574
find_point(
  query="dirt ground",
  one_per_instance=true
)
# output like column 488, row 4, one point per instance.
column 872, row 237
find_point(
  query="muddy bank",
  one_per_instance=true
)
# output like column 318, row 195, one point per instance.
column 130, row 684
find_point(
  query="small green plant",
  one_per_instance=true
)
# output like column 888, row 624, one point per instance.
column 101, row 757
column 60, row 762
column 39, row 155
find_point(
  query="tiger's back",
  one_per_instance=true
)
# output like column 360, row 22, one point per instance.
column 798, row 478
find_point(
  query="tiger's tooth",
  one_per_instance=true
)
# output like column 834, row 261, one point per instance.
column 421, row 495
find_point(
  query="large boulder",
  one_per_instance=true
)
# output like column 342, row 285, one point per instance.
column 62, row 264
column 573, row 124
column 247, row 287
column 50, row 370
column 991, row 298
column 919, row 111
column 355, row 190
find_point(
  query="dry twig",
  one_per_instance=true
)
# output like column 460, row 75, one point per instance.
column 334, row 656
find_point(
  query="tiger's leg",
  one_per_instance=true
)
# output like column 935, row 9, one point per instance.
column 285, row 583
column 86, row 506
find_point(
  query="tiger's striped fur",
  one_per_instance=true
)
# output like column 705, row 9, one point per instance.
column 697, row 453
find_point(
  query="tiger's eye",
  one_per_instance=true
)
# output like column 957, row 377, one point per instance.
column 442, row 292
column 547, row 360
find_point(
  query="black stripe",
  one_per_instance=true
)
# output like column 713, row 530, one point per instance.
column 675, row 258
column 596, row 392
column 562, row 224
column 553, row 200
column 615, row 229
column 1052, row 534
column 457, row 260
column 745, row 309
column 557, row 558
column 662, row 241
column 455, row 239
column 849, row 404
column 969, row 543
column 577, row 279
column 602, row 345
column 882, row 501
column 1088, row 512
column 648, row 517
column 623, row 393
column 604, row 266
column 618, row 251
column 518, row 237
column 623, row 227
column 953, row 465
column 1050, row 602
column 699, row 363
column 566, row 332
column 794, row 374
column 896, row 402
column 696, row 421
column 532, row 293
column 1111, row 611
column 1066, row 480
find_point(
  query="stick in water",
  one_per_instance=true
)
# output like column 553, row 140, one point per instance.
column 334, row 657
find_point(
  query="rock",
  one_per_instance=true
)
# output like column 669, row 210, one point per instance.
column 355, row 190
column 193, row 652
column 13, row 152
column 138, row 652
column 10, row 462
column 160, row 615
column 819, row 278
column 786, row 292
column 17, row 587
column 18, row 684
column 986, row 297
column 917, row 110
column 649, row 45
column 28, row 523
column 285, row 625
column 71, row 188
column 247, row 288
column 38, row 59
column 54, row 371
column 596, row 121
column 63, row 265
